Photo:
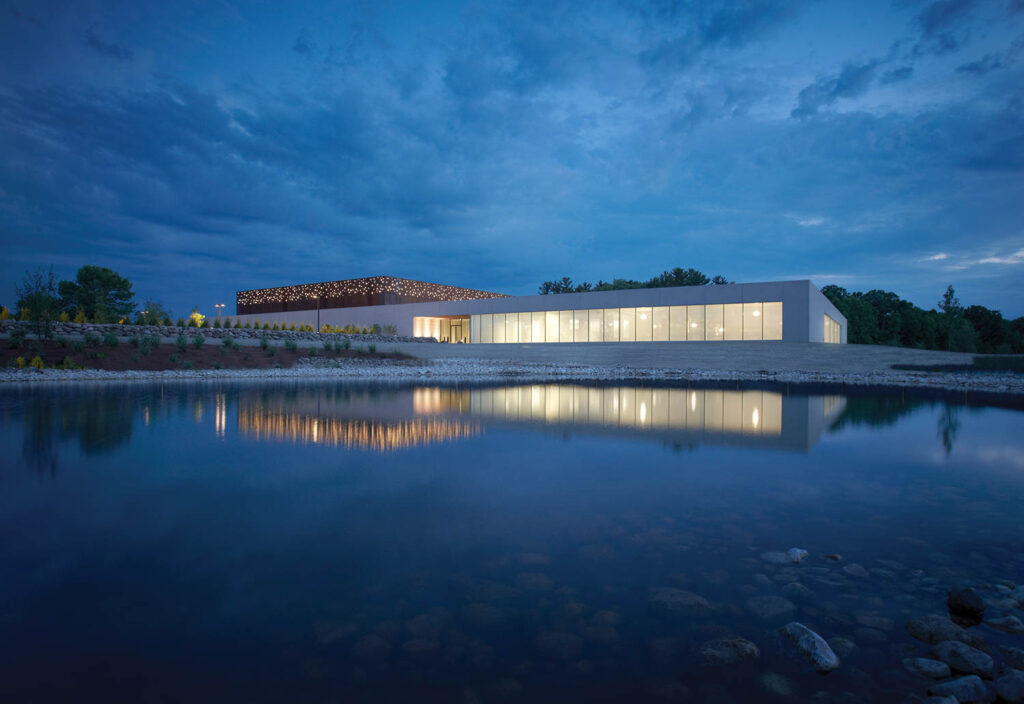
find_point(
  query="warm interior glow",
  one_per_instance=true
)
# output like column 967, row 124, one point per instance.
column 757, row 313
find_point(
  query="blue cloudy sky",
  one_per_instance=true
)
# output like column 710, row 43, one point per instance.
column 202, row 147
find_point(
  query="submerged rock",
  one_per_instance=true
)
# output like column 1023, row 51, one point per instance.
column 813, row 646
column 1010, row 687
column 771, row 608
column 935, row 629
column 966, row 690
column 963, row 658
column 796, row 555
column 795, row 590
column 776, row 558
column 843, row 647
column 728, row 651
column 669, row 601
column 855, row 570
column 965, row 605
column 1014, row 657
column 776, row 684
column 1008, row 624
column 932, row 669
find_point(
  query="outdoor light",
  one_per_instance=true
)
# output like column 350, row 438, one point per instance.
column 757, row 313
column 219, row 307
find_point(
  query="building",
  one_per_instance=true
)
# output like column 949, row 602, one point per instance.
column 792, row 311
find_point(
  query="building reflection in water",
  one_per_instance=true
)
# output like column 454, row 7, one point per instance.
column 220, row 415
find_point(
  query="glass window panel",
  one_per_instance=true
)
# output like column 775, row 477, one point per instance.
column 524, row 327
column 677, row 323
column 714, row 323
column 659, row 408
column 771, row 413
column 644, row 408
column 512, row 327
column 627, row 406
column 565, row 326
column 485, row 328
column 580, row 326
column 552, row 403
column 694, row 322
column 696, row 408
column 752, row 321
column 611, row 325
column 772, row 314
column 752, row 409
column 498, row 327
column 627, row 324
column 644, row 324
column 733, row 316
column 596, row 326
column 551, row 326
column 610, row 402
column 474, row 327
column 659, row 330
column 537, row 326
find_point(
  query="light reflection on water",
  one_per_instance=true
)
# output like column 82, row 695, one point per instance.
column 302, row 542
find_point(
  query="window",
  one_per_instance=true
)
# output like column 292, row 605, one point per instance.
column 537, row 327
column 596, row 326
column 551, row 326
column 580, row 326
column 627, row 324
column 833, row 331
column 498, row 328
column 644, row 324
column 752, row 323
column 733, row 314
column 659, row 329
column 524, row 327
column 694, row 322
column 677, row 323
column 772, row 321
column 565, row 326
column 485, row 329
column 611, row 325
column 714, row 322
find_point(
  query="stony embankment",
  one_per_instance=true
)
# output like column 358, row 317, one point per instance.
column 172, row 331
column 478, row 370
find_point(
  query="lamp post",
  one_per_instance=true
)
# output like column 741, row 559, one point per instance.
column 143, row 320
column 219, row 307
column 317, row 298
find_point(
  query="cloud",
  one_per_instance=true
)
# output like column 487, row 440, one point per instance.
column 851, row 82
column 109, row 49
column 943, row 14
column 990, row 62
column 936, row 257
column 808, row 220
column 897, row 74
column 303, row 45
column 1013, row 258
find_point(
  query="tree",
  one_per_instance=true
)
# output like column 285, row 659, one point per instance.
column 38, row 302
column 195, row 319
column 152, row 313
column 989, row 326
column 100, row 294
column 952, row 311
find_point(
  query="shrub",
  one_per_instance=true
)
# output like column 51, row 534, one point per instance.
column 17, row 338
column 276, row 327
column 238, row 324
column 172, row 358
column 346, row 344
column 135, row 356
column 20, row 362
column 371, row 348
column 217, row 365
column 187, row 364
column 180, row 322
column 68, row 363
column 313, row 352
column 266, row 326
column 77, row 346
column 291, row 345
column 198, row 341
column 227, row 342
column 181, row 342
column 390, row 329
column 37, row 362
column 5, row 313
column 248, row 325
column 375, row 329
column 264, row 342
column 62, row 341
column 110, row 340
column 216, row 324
column 292, row 327
column 95, row 354
column 327, row 347
column 135, row 341
column 91, row 340
column 271, row 351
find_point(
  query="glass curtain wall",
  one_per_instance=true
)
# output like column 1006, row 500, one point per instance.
column 833, row 331
column 731, row 321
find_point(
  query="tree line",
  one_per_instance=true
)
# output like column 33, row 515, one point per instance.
column 675, row 277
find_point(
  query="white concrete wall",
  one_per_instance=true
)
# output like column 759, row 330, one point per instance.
column 803, row 307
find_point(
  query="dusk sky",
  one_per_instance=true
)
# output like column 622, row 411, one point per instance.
column 199, row 148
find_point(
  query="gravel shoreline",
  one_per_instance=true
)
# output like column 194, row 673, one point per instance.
column 481, row 370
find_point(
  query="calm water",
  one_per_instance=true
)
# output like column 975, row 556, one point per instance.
column 290, row 542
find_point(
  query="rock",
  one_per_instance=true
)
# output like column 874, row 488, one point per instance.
column 940, row 700
column 776, row 684
column 563, row 646
column 1010, row 686
column 935, row 629
column 880, row 623
column 371, row 647
column 672, row 602
column 795, row 590
column 771, row 608
column 966, row 690
column 966, row 605
column 763, row 581
column 932, row 669
column 833, row 557
column 1008, row 624
column 963, row 658
column 813, row 646
column 728, row 651
column 855, row 570
column 796, row 555
column 1014, row 657
column 776, row 558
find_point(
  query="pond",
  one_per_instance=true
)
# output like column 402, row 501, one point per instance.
column 328, row 542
